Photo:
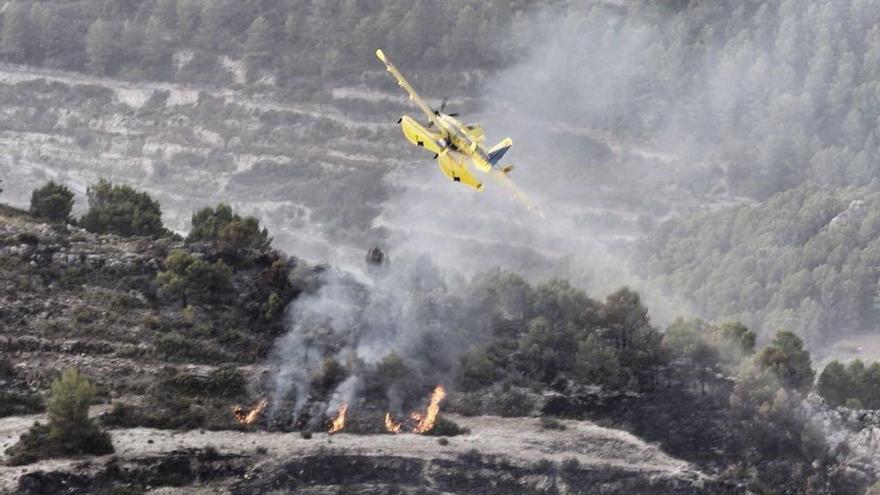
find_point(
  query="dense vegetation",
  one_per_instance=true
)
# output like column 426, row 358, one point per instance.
column 767, row 94
column 854, row 385
column 228, row 230
column 121, row 210
column 808, row 259
column 286, row 38
column 52, row 202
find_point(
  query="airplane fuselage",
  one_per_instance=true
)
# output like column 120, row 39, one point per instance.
column 459, row 139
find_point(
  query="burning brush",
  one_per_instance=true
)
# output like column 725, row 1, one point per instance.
column 392, row 426
column 338, row 422
column 423, row 423
column 250, row 416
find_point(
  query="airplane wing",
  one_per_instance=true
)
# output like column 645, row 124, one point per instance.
column 500, row 177
column 402, row 82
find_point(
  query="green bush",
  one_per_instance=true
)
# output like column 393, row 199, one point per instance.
column 52, row 202
column 121, row 210
column 68, row 411
column 185, row 276
column 273, row 308
column 70, row 430
column 228, row 230
column 850, row 385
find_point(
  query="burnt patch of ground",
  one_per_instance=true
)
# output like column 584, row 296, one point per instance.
column 694, row 427
column 135, row 476
column 472, row 473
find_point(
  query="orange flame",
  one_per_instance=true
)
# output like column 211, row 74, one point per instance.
column 250, row 416
column 424, row 423
column 390, row 425
column 339, row 421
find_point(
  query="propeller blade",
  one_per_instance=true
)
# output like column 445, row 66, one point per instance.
column 443, row 104
column 453, row 114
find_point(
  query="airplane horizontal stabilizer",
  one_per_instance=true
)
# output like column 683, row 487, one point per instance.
column 498, row 151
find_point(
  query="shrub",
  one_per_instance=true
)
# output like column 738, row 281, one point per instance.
column 187, row 275
column 446, row 428
column 70, row 431
column 52, row 202
column 551, row 424
column 7, row 370
column 544, row 466
column 471, row 456
column 569, row 467
column 14, row 404
column 68, row 412
column 121, row 210
column 274, row 307
column 228, row 230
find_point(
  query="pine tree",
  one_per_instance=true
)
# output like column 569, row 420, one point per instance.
column 166, row 11
column 834, row 383
column 258, row 46
column 131, row 41
column 17, row 40
column 156, row 51
column 188, row 13
column 99, row 47
column 211, row 25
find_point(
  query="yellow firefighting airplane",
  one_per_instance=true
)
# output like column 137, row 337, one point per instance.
column 455, row 144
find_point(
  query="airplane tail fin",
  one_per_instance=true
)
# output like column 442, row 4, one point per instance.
column 499, row 150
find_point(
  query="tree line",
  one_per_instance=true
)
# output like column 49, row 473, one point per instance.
column 286, row 38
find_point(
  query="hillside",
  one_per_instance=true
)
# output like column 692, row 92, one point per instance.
column 168, row 373
column 76, row 299
column 807, row 260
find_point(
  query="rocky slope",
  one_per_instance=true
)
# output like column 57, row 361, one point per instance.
column 72, row 298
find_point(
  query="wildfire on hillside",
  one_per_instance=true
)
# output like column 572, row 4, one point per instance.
column 419, row 422
column 338, row 422
column 392, row 426
column 249, row 416
column 425, row 422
